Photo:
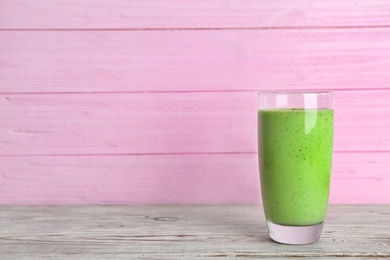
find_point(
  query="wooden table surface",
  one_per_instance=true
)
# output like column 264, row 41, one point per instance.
column 186, row 232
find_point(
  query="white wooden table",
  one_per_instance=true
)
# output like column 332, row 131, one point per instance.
column 186, row 232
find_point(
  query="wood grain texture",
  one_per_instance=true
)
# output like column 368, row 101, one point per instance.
column 173, row 232
column 127, row 123
column 358, row 178
column 185, row 60
column 154, row 101
column 154, row 179
column 92, row 14
column 156, row 123
column 362, row 120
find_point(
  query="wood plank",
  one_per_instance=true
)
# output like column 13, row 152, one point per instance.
column 182, row 231
column 92, row 14
column 360, row 178
column 361, row 120
column 154, row 179
column 127, row 123
column 166, row 123
column 196, row 60
column 357, row 178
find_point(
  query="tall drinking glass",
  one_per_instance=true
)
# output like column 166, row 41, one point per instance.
column 295, row 138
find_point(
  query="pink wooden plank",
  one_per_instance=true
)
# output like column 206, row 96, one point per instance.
column 127, row 123
column 191, row 14
column 202, row 179
column 357, row 178
column 119, row 123
column 197, row 60
column 361, row 178
column 362, row 121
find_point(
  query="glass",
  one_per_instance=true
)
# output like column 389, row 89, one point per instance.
column 295, row 139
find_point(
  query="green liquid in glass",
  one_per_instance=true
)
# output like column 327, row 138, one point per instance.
column 295, row 157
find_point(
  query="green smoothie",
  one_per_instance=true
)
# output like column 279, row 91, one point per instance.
column 295, row 157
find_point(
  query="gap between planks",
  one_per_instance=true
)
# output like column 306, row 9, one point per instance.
column 189, row 91
column 203, row 28
column 168, row 154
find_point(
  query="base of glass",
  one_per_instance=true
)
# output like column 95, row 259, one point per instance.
column 294, row 235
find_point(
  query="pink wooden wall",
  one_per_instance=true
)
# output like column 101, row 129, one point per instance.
column 155, row 101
